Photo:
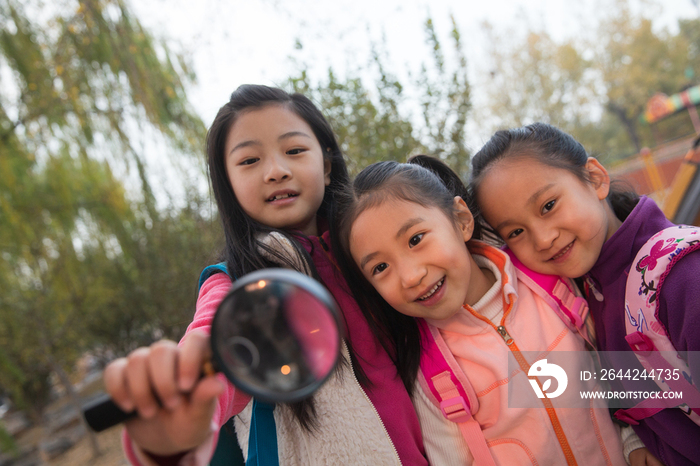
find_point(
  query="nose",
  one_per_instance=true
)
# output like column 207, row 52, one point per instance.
column 544, row 238
column 412, row 273
column 276, row 169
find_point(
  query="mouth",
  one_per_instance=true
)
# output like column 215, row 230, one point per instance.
column 433, row 290
column 279, row 196
column 563, row 252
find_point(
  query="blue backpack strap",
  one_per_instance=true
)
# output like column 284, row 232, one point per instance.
column 262, row 451
column 262, row 439
column 211, row 270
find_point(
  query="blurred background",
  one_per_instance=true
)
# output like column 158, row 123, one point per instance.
column 106, row 217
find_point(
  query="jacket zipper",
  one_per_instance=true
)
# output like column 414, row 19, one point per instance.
column 525, row 367
column 376, row 413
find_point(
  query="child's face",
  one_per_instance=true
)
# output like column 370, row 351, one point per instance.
column 554, row 222
column 276, row 167
column 415, row 257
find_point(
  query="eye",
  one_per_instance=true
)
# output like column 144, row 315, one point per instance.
column 415, row 239
column 249, row 161
column 296, row 151
column 515, row 233
column 379, row 268
column 548, row 206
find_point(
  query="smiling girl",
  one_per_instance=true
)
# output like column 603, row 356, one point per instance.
column 408, row 253
column 556, row 209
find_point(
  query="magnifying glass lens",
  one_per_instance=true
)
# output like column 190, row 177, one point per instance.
column 276, row 337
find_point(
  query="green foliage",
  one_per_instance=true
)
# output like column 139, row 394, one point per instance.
column 596, row 87
column 636, row 62
column 7, row 443
column 377, row 122
column 446, row 101
column 84, row 264
column 367, row 131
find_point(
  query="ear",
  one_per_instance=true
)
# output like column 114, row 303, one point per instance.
column 599, row 177
column 464, row 217
column 326, row 171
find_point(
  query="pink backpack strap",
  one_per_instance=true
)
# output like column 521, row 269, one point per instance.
column 559, row 293
column 454, row 394
column 646, row 335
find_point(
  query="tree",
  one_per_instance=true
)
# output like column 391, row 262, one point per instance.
column 85, row 87
column 375, row 122
column 635, row 62
column 596, row 87
column 538, row 80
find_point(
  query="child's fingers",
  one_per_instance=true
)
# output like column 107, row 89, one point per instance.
column 162, row 367
column 138, row 382
column 194, row 352
column 115, row 384
column 203, row 397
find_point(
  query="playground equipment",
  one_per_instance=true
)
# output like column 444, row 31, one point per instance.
column 669, row 172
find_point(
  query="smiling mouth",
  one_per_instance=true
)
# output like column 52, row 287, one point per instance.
column 562, row 252
column 432, row 290
column 281, row 196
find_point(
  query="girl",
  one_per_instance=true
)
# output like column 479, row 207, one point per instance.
column 402, row 234
column 275, row 166
column 556, row 209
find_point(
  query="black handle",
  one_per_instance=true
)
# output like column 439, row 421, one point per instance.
column 102, row 413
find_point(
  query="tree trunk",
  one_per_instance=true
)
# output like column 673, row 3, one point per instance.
column 74, row 401
column 621, row 114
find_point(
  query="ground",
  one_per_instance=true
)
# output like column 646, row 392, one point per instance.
column 80, row 454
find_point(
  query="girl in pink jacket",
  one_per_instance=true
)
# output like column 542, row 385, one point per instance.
column 406, row 241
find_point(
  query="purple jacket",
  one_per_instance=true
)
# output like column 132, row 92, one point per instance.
column 669, row 435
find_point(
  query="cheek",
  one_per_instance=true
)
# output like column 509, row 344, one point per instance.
column 245, row 197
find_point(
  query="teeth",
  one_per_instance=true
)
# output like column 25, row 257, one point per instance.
column 563, row 252
column 281, row 196
column 432, row 291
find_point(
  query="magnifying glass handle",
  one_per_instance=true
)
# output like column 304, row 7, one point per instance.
column 103, row 413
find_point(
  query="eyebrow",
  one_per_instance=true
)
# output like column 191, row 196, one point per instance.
column 366, row 259
column 530, row 200
column 407, row 225
column 404, row 228
column 252, row 142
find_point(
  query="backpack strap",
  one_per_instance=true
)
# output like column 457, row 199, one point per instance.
column 211, row 270
column 646, row 335
column 452, row 390
column 262, row 439
column 559, row 293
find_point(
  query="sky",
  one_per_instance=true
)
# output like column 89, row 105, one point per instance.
column 234, row 42
column 257, row 41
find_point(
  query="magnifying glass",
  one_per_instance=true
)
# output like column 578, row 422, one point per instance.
column 276, row 336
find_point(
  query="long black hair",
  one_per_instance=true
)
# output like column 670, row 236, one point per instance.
column 424, row 180
column 241, row 252
column 242, row 249
column 550, row 146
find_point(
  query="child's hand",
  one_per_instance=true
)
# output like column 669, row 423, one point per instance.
column 643, row 457
column 162, row 383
